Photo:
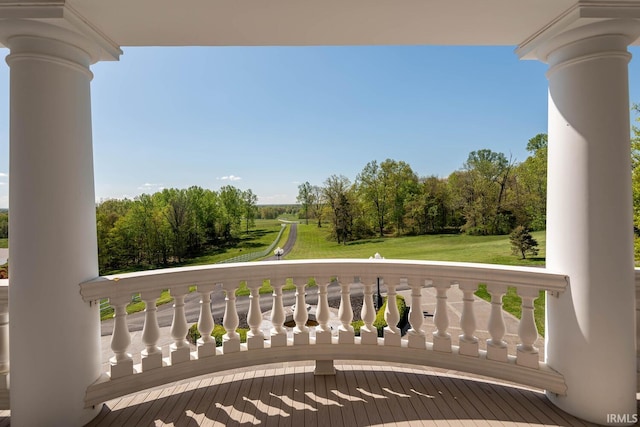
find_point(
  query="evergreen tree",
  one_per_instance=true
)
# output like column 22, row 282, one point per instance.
column 522, row 242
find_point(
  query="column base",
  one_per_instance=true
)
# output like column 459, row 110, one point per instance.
column 346, row 337
column 151, row 361
column 206, row 349
column 417, row 341
column 179, row 354
column 497, row 352
column 279, row 340
column 121, row 369
column 301, row 338
column 255, row 342
column 324, row 367
column 323, row 337
column 368, row 337
column 529, row 359
column 442, row 344
column 468, row 348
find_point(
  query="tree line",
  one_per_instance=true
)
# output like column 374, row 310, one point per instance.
column 169, row 226
column 490, row 194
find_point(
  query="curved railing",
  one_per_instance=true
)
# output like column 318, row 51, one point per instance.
column 321, row 343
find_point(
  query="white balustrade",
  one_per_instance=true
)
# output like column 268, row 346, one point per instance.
column 231, row 321
column 441, row 338
column 300, row 315
column 468, row 341
column 323, row 331
column 392, row 333
column 496, row 347
column 179, row 349
column 278, row 332
column 121, row 362
column 416, row 349
column 417, row 338
column 345, row 313
column 206, row 343
column 255, row 336
column 152, row 354
column 527, row 354
column 368, row 333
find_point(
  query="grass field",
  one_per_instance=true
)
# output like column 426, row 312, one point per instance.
column 4, row 243
column 313, row 242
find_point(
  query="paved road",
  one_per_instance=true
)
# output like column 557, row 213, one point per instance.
column 291, row 241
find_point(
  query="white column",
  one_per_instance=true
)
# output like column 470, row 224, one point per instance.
column 55, row 336
column 590, row 332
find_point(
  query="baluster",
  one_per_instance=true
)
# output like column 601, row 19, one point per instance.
column 255, row 336
column 179, row 349
column 441, row 338
column 278, row 332
column 231, row 339
column 468, row 341
column 346, row 334
column 527, row 354
column 206, row 343
column 121, row 362
column 300, row 315
column 392, row 334
column 496, row 347
column 368, row 333
column 152, row 354
column 417, row 338
column 4, row 345
column 323, row 331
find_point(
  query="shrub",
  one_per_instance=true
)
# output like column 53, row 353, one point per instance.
column 193, row 335
column 379, row 323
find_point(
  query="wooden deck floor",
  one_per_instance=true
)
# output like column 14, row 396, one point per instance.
column 358, row 395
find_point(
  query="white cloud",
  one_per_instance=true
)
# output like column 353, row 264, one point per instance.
column 151, row 187
column 3, row 175
column 229, row 178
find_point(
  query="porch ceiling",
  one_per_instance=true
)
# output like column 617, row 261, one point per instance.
column 327, row 22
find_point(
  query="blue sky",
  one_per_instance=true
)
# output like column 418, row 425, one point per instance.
column 269, row 118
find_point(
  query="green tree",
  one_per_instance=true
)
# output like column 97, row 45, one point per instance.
column 250, row 201
column 305, row 198
column 372, row 185
column 4, row 225
column 317, row 203
column 522, row 243
column 532, row 184
column 338, row 194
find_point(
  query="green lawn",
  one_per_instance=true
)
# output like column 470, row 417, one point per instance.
column 257, row 239
column 4, row 243
column 313, row 242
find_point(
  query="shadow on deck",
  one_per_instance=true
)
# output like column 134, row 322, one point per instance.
column 358, row 395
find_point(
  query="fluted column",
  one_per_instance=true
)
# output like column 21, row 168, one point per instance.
column 590, row 337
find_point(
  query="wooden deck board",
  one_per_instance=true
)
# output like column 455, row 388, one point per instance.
column 358, row 395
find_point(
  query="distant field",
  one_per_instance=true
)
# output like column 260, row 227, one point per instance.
column 258, row 238
column 4, row 243
column 313, row 243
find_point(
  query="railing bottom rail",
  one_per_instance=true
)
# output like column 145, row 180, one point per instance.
column 105, row 388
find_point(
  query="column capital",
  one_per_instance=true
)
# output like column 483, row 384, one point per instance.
column 586, row 19
column 56, row 20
